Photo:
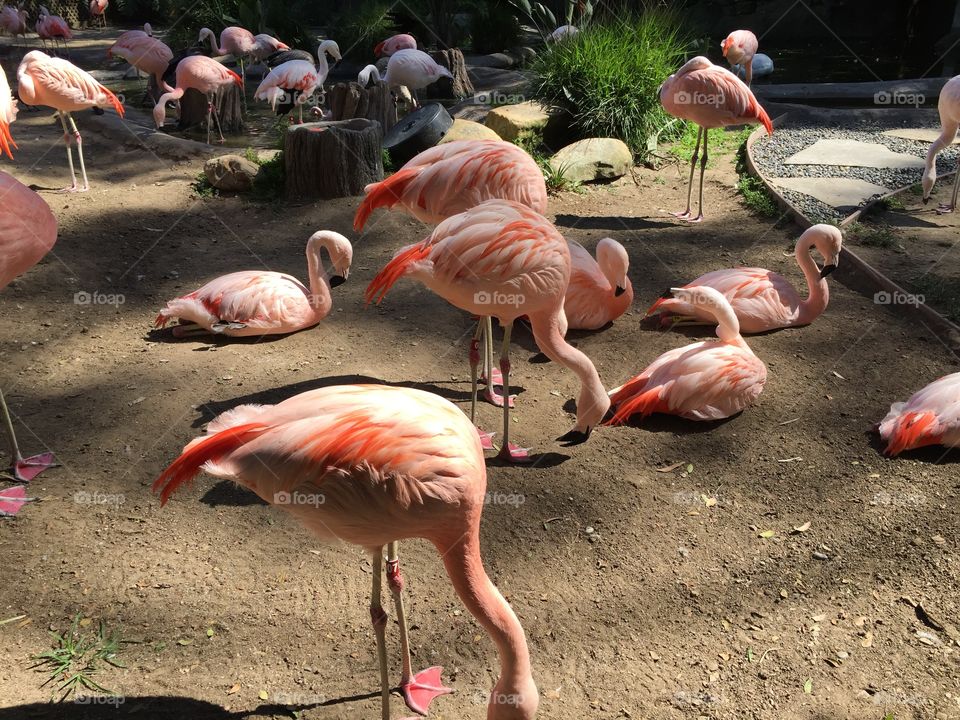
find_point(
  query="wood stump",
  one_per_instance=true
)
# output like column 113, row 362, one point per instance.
column 332, row 159
column 228, row 101
column 350, row 100
column 460, row 86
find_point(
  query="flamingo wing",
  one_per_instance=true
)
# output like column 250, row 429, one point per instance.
column 930, row 417
column 291, row 75
column 8, row 113
column 28, row 228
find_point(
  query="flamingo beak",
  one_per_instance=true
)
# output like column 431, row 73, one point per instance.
column 574, row 437
column 619, row 291
column 926, row 200
column 827, row 269
column 337, row 280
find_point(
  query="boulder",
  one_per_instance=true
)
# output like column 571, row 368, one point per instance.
column 593, row 159
column 230, row 173
column 509, row 121
column 468, row 130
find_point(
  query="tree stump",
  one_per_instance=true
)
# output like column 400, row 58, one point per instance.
column 332, row 159
column 228, row 101
column 460, row 86
column 350, row 100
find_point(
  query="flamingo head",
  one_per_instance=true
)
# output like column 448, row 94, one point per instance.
column 713, row 302
column 928, row 181
column 828, row 240
column 159, row 114
column 614, row 262
column 340, row 250
column 368, row 73
column 378, row 50
column 329, row 47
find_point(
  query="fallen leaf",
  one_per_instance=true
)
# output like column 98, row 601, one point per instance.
column 802, row 528
column 85, row 622
column 669, row 468
column 749, row 654
column 819, row 618
column 210, row 632
column 689, row 468
column 867, row 640
column 709, row 501
column 184, row 641
column 808, row 686
column 838, row 374
column 766, row 534
column 234, row 689
column 263, row 695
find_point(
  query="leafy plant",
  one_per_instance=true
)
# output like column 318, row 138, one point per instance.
column 872, row 235
column 942, row 293
column 360, row 28
column 557, row 181
column 202, row 186
column 269, row 182
column 544, row 19
column 77, row 656
column 493, row 27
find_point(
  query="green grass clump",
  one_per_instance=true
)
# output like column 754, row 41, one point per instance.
column 721, row 142
column 607, row 75
column 531, row 142
column 360, row 27
column 270, row 181
column 873, row 235
column 77, row 656
column 942, row 293
column 756, row 197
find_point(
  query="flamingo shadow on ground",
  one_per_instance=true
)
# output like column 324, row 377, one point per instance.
column 165, row 335
column 932, row 454
column 662, row 423
column 603, row 222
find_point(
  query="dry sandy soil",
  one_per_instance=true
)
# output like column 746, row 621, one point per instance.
column 678, row 603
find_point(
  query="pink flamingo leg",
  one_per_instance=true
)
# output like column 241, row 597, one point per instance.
column 943, row 208
column 685, row 215
column 509, row 452
column 76, row 135
column 703, row 168
column 216, row 119
column 492, row 375
column 23, row 469
column 379, row 619
column 420, row 689
column 486, row 439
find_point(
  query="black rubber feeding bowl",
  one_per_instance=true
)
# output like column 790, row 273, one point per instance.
column 416, row 132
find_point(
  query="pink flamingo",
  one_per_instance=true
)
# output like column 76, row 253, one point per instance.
column 295, row 81
column 28, row 230
column 98, row 9
column 8, row 113
column 266, row 45
column 53, row 27
column 234, row 41
column 202, row 74
column 764, row 300
column 411, row 69
column 711, row 97
column 451, row 178
column 58, row 83
column 373, row 465
column 144, row 52
column 14, row 21
column 708, row 380
column 388, row 47
column 260, row 302
column 503, row 259
column 599, row 290
column 930, row 417
column 949, row 108
column 739, row 47
column 128, row 35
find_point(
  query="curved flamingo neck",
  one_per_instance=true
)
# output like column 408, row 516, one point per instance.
column 214, row 46
column 728, row 326
column 320, row 299
column 948, row 133
column 819, row 293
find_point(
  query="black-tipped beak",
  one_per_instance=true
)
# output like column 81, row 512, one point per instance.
column 96, row 110
column 619, row 291
column 926, row 200
column 827, row 269
column 668, row 293
column 574, row 437
column 337, row 280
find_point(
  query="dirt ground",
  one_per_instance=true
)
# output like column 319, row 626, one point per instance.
column 676, row 603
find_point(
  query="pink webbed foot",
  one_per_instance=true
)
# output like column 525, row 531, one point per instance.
column 698, row 218
column 26, row 469
column 495, row 375
column 944, row 209
column 513, row 454
column 420, row 690
column 486, row 439
column 685, row 215
column 12, row 500
column 495, row 398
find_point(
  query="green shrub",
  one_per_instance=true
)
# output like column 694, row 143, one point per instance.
column 493, row 27
column 607, row 75
column 358, row 30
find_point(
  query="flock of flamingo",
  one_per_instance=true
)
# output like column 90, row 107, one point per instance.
column 395, row 463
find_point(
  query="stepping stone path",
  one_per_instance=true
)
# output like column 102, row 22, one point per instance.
column 837, row 151
column 841, row 193
column 921, row 135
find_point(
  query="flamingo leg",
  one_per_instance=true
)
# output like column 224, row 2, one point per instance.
column 83, row 169
column 216, row 119
column 508, row 452
column 23, row 469
column 379, row 619
column 943, row 209
column 486, row 439
column 748, row 72
column 685, row 215
column 243, row 85
column 209, row 115
column 66, row 140
column 703, row 169
column 492, row 375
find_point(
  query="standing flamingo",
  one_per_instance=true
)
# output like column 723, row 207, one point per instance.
column 764, row 300
column 143, row 52
column 58, row 83
column 711, row 97
column 949, row 107
column 28, row 230
column 295, row 81
column 504, row 260
column 14, row 21
column 739, row 47
column 129, row 34
column 234, row 41
column 930, row 417
column 8, row 113
column 388, row 47
column 202, row 74
column 53, row 27
column 98, row 9
column 599, row 290
column 260, row 302
column 708, row 380
column 449, row 179
column 373, row 465
column 412, row 69
column 265, row 45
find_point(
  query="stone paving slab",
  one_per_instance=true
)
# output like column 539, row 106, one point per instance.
column 838, row 151
column 927, row 135
column 836, row 192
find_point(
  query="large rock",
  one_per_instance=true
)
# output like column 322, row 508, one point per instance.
column 593, row 159
column 468, row 130
column 508, row 121
column 231, row 173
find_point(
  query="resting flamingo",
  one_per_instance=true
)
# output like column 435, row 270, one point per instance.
column 711, row 97
column 949, row 107
column 98, row 9
column 295, row 81
column 388, row 47
column 739, row 48
column 411, row 69
column 387, row 464
column 8, row 113
column 58, row 83
column 708, row 380
column 202, row 74
column 764, row 300
column 28, row 230
column 930, row 417
column 53, row 27
column 143, row 52
column 261, row 302
column 449, row 179
column 599, row 290
column 504, row 260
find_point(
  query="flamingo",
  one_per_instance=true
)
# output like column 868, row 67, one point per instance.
column 202, row 74
column 449, row 179
column 14, row 21
column 8, row 113
column 412, row 69
column 949, row 107
column 503, row 259
column 764, row 300
column 28, row 229
column 144, row 52
column 234, row 41
column 563, row 32
column 98, row 9
column 739, row 48
column 58, row 83
column 388, row 47
column 599, row 290
column 708, row 380
column 295, row 81
column 384, row 464
column 711, row 97
column 930, row 417
column 53, row 27
column 265, row 45
column 129, row 34
column 260, row 302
